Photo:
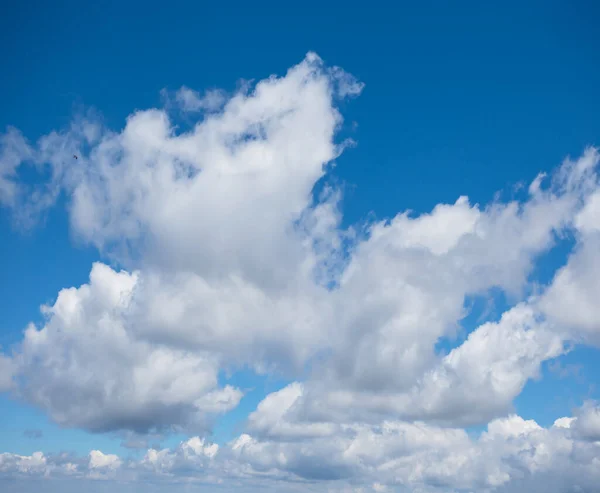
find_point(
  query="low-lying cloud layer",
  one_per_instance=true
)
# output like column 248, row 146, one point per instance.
column 227, row 260
column 510, row 455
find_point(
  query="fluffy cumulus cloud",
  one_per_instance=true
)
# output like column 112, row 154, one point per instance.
column 86, row 370
column 570, row 301
column 512, row 454
column 218, row 255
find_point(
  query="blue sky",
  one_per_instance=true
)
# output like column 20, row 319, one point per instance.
column 458, row 100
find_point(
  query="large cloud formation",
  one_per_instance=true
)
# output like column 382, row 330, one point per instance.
column 222, row 257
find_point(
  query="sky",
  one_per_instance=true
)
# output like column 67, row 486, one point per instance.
column 322, row 247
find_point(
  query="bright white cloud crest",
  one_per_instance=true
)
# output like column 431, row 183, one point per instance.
column 229, row 261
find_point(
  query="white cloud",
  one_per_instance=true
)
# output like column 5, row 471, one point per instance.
column 84, row 367
column 98, row 460
column 190, row 100
column 269, row 419
column 393, row 456
column 480, row 378
column 588, row 219
column 587, row 422
column 347, row 84
column 228, row 260
column 425, row 458
column 211, row 285
column 33, row 464
column 14, row 149
column 405, row 288
column 571, row 300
